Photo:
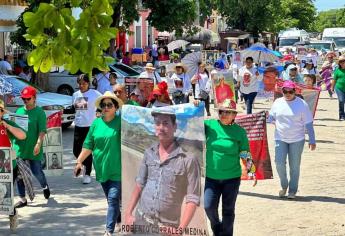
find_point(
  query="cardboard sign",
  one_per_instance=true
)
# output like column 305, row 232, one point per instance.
column 6, row 180
column 223, row 87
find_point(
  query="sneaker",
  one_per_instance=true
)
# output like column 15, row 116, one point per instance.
column 117, row 228
column 86, row 179
column 20, row 204
column 341, row 118
column 14, row 221
column 291, row 196
column 46, row 192
column 282, row 192
column 107, row 233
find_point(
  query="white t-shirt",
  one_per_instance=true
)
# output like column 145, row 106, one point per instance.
column 290, row 119
column 248, row 80
column 5, row 67
column 84, row 104
column 103, row 83
column 204, row 83
column 186, row 84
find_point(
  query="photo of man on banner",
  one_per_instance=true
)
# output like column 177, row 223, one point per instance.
column 166, row 195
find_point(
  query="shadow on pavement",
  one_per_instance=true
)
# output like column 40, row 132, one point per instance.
column 298, row 198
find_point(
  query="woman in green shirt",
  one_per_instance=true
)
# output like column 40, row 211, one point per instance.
column 226, row 144
column 338, row 84
column 10, row 131
column 104, row 142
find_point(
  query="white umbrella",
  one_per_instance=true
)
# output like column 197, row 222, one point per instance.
column 192, row 61
column 177, row 44
column 260, row 54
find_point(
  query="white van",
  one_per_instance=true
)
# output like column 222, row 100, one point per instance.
column 337, row 35
column 287, row 38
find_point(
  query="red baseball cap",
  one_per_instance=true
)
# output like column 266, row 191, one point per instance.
column 28, row 92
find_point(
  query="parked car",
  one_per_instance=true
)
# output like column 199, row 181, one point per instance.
column 50, row 102
column 64, row 82
column 319, row 45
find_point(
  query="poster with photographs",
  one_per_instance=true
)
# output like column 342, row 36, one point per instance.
column 209, row 57
column 143, row 87
column 52, row 161
column 167, row 184
column 223, row 87
column 6, row 180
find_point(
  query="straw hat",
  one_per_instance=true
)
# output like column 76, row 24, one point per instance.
column 185, row 69
column 110, row 95
column 228, row 105
column 149, row 66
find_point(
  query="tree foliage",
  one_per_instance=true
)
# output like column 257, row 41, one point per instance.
column 60, row 39
column 329, row 19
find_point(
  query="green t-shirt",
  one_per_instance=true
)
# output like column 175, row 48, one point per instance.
column 223, row 146
column 131, row 102
column 37, row 124
column 339, row 77
column 12, row 138
column 104, row 139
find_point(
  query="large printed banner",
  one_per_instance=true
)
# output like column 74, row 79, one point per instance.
column 52, row 162
column 161, row 187
column 310, row 96
column 255, row 125
column 6, row 180
column 223, row 87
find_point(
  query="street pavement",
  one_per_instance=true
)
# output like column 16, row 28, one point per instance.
column 77, row 209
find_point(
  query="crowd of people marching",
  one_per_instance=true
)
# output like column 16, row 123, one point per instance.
column 97, row 128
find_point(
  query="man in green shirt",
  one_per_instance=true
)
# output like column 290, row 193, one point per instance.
column 31, row 148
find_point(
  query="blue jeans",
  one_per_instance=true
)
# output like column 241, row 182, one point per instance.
column 249, row 100
column 36, row 169
column 341, row 99
column 228, row 189
column 112, row 191
column 294, row 152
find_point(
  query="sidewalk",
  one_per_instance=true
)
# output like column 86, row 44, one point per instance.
column 76, row 209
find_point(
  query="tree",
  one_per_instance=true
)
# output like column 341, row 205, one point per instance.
column 60, row 39
column 248, row 15
column 294, row 13
column 330, row 18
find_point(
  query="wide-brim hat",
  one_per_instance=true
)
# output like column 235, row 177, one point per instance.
column 228, row 105
column 150, row 66
column 110, row 95
column 185, row 69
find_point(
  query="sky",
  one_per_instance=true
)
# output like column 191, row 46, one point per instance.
column 322, row 5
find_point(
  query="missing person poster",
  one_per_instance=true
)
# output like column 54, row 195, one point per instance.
column 255, row 126
column 52, row 162
column 310, row 95
column 159, row 189
column 6, row 180
column 143, row 87
column 223, row 87
column 209, row 57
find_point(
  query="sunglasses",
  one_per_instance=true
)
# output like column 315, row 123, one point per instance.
column 106, row 105
column 117, row 91
column 2, row 110
column 26, row 99
column 288, row 91
column 221, row 112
